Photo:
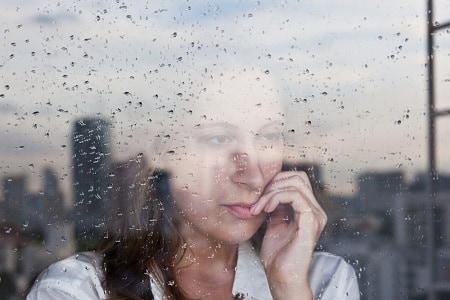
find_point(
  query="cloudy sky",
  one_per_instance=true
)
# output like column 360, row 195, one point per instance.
column 355, row 73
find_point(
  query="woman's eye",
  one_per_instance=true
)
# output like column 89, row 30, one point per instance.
column 220, row 139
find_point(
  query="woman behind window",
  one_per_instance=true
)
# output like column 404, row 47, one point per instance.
column 218, row 218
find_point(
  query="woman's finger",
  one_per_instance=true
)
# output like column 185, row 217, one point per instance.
column 286, row 182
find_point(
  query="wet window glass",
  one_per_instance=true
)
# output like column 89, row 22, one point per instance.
column 144, row 140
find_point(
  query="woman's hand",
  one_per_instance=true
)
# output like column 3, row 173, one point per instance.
column 295, row 223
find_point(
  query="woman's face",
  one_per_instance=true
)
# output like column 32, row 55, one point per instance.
column 222, row 158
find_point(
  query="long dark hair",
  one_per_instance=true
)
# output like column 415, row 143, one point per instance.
column 142, row 248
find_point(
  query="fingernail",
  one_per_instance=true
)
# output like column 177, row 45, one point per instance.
column 253, row 209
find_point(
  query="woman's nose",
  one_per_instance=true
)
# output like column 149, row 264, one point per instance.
column 248, row 169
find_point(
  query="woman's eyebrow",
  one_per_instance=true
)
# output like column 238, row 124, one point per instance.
column 225, row 125
column 216, row 124
column 277, row 123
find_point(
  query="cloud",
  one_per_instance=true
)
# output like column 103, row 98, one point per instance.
column 8, row 108
column 53, row 19
column 16, row 142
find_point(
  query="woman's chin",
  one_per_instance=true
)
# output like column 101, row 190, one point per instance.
column 241, row 236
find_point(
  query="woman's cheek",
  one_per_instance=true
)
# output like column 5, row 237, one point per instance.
column 271, row 169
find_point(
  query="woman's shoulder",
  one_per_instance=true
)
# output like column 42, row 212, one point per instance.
column 331, row 277
column 76, row 277
column 326, row 261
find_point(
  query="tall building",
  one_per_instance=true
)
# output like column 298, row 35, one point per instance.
column 14, row 194
column 54, row 198
column 58, row 230
column 35, row 232
column 91, row 159
column 377, row 189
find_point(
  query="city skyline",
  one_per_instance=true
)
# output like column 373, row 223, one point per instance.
column 386, row 211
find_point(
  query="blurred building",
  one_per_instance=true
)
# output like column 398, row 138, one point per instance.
column 384, row 235
column 35, row 231
column 377, row 189
column 20, row 207
column 91, row 161
column 58, row 229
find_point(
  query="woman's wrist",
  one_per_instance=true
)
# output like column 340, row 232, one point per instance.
column 291, row 293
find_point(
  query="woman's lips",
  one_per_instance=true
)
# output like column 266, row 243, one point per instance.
column 242, row 212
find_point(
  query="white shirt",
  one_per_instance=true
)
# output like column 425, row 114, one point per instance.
column 80, row 277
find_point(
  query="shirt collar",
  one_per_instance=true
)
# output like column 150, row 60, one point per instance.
column 250, row 279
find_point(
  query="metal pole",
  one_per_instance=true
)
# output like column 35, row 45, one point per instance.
column 431, row 156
